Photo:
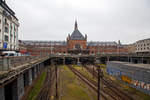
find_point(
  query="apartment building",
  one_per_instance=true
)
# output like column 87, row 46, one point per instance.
column 8, row 28
column 143, row 46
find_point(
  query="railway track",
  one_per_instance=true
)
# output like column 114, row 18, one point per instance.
column 46, row 89
column 110, row 86
column 92, row 84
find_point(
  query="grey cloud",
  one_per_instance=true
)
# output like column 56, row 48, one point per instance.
column 101, row 20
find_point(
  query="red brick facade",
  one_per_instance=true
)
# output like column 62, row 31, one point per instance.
column 72, row 43
column 76, row 43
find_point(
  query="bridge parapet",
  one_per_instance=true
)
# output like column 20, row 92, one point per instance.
column 102, row 55
column 7, row 63
column 15, row 69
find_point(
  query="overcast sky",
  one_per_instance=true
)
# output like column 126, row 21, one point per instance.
column 101, row 20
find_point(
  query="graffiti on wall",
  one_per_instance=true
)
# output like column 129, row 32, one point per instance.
column 136, row 83
column 114, row 72
column 127, row 79
column 141, row 84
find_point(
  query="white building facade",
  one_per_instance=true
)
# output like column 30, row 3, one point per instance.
column 8, row 28
column 143, row 46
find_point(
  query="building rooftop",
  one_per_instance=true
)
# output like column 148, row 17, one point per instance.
column 143, row 40
column 6, row 7
column 44, row 43
column 35, row 42
column 76, row 35
column 102, row 43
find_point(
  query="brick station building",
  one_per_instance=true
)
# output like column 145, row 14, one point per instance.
column 76, row 43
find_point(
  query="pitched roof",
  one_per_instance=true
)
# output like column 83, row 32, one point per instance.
column 91, row 43
column 44, row 43
column 6, row 7
column 76, row 35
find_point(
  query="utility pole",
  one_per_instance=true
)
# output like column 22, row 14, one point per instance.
column 100, row 75
column 51, row 47
column 98, row 49
column 98, row 92
column 56, row 81
column 93, row 71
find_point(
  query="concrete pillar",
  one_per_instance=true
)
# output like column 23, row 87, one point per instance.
column 20, row 87
column 35, row 71
column 78, row 61
column 131, row 60
column 142, row 60
column 30, row 76
column 2, row 96
column 39, row 68
column 97, row 61
column 139, row 61
column 107, row 58
column 51, row 61
column 64, row 60
column 128, row 59
column 43, row 64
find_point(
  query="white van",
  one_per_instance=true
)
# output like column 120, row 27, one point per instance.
column 10, row 53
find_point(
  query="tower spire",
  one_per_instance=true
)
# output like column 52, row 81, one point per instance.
column 76, row 25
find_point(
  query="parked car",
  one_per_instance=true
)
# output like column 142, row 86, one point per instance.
column 10, row 53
